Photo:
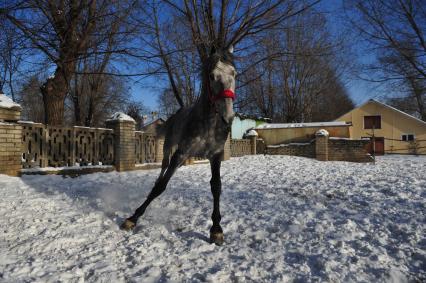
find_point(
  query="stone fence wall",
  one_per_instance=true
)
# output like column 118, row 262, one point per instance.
column 294, row 149
column 47, row 146
column 348, row 150
column 325, row 148
column 146, row 148
column 240, row 147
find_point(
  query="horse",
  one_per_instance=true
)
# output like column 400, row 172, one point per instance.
column 200, row 130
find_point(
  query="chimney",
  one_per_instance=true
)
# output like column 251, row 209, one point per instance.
column 154, row 115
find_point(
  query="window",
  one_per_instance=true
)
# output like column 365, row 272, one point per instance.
column 371, row 122
column 407, row 137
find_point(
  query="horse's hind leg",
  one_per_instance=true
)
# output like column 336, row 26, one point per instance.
column 165, row 163
column 160, row 185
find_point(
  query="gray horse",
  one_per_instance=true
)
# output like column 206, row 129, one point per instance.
column 200, row 130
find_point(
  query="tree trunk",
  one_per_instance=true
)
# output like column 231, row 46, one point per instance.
column 54, row 91
column 89, row 118
column 77, row 111
column 53, row 109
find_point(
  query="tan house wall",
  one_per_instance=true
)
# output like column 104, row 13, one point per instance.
column 273, row 136
column 393, row 125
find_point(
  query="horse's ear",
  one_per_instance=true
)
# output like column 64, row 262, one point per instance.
column 231, row 49
column 212, row 50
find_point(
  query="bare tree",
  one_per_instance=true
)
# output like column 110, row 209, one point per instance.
column 63, row 31
column 302, row 71
column 413, row 88
column 89, row 87
column 137, row 111
column 31, row 100
column 395, row 29
column 93, row 99
column 204, row 24
column 10, row 57
column 167, row 102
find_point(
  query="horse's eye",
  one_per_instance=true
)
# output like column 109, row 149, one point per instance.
column 211, row 76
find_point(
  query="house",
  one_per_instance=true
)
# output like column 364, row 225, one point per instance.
column 394, row 131
column 151, row 127
column 242, row 123
column 274, row 134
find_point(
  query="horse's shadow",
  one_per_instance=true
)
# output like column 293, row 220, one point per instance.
column 194, row 235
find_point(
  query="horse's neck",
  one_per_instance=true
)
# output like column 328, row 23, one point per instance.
column 204, row 104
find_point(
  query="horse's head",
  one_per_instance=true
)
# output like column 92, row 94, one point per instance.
column 221, row 83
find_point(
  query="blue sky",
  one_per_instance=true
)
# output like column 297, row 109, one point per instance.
column 359, row 90
column 144, row 92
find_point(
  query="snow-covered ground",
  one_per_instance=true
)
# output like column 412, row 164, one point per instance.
column 286, row 219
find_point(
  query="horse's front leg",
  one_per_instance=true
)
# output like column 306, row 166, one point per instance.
column 160, row 185
column 216, row 232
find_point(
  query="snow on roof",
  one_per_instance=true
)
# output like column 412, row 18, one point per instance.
column 120, row 116
column 301, row 125
column 7, row 103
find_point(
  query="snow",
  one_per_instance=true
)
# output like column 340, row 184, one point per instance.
column 252, row 133
column 7, row 103
column 289, row 144
column 120, row 116
column 83, row 127
column 322, row 132
column 57, row 169
column 286, row 219
column 300, row 125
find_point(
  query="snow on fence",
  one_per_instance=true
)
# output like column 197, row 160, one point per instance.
column 50, row 146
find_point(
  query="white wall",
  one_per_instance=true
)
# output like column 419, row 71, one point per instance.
column 239, row 127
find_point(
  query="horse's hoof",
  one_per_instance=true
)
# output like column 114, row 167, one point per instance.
column 127, row 225
column 216, row 238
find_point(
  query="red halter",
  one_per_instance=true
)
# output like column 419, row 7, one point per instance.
column 227, row 93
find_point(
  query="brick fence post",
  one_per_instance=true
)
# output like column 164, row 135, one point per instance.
column 227, row 149
column 10, row 137
column 159, row 143
column 321, row 145
column 124, row 141
column 252, row 135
